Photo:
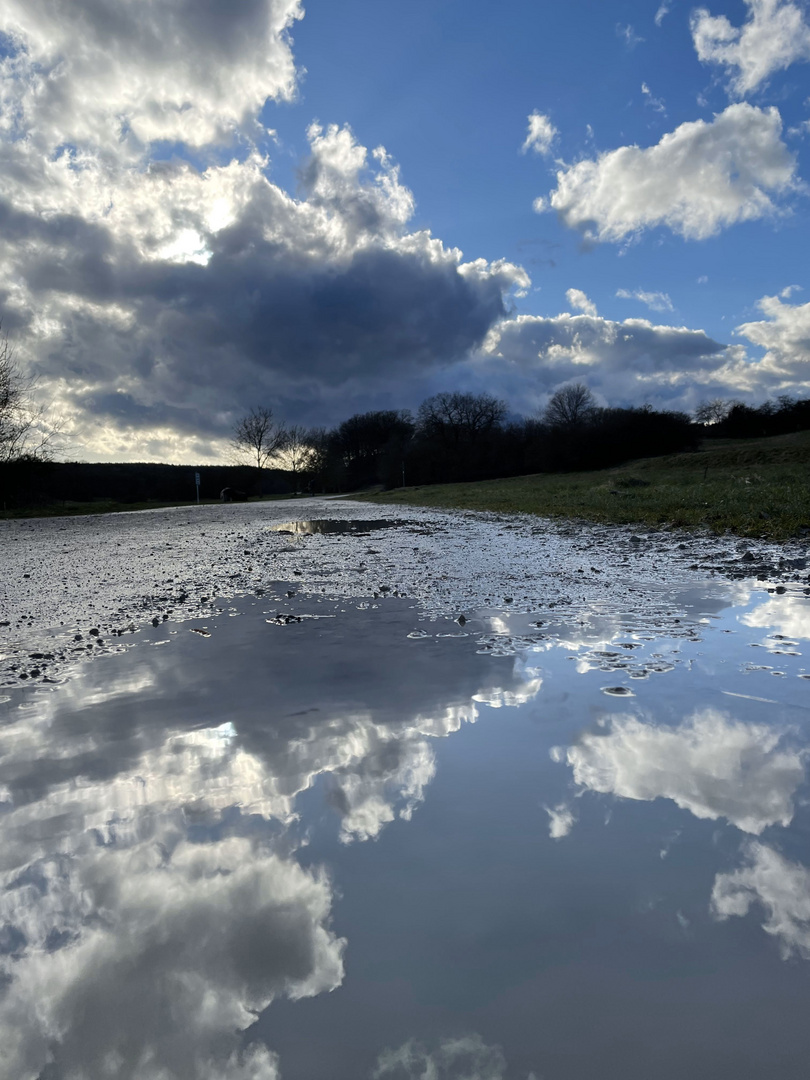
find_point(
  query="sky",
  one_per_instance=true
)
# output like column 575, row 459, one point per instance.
column 332, row 208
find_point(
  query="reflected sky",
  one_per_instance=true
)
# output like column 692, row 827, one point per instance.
column 343, row 839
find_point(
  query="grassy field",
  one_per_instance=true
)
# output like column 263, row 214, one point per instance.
column 752, row 487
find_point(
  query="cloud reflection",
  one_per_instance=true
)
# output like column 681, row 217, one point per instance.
column 786, row 615
column 464, row 1058
column 168, row 951
column 776, row 884
column 152, row 904
column 711, row 765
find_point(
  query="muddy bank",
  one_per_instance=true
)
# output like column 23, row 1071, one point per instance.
column 79, row 586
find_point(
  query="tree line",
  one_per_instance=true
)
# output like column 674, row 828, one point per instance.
column 453, row 436
column 736, row 420
column 457, row 436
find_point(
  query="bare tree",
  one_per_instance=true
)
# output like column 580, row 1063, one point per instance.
column 297, row 452
column 257, row 438
column 457, row 416
column 570, row 405
column 25, row 428
column 712, row 412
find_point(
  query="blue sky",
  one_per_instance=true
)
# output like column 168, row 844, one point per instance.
column 182, row 243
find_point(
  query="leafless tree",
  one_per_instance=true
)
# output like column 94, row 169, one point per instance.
column 26, row 430
column 298, row 452
column 257, row 438
column 570, row 405
column 712, row 412
column 457, row 416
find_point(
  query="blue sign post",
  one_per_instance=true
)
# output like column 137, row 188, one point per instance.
column 197, row 482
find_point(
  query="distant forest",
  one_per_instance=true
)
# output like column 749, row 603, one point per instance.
column 452, row 437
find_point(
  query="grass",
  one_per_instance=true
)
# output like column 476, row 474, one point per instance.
column 752, row 487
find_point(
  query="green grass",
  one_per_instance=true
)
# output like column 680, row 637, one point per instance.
column 752, row 487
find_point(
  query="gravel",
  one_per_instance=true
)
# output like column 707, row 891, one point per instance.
column 78, row 586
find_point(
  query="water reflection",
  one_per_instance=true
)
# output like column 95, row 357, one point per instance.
column 144, row 959
column 464, row 1058
column 326, row 525
column 198, row 842
column 774, row 883
column 154, row 902
column 710, row 764
column 788, row 616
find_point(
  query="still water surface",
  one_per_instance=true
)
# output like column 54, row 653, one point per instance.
column 318, row 838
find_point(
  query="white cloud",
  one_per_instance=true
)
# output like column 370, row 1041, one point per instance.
column 541, row 135
column 785, row 335
column 781, row 887
column 131, row 289
column 561, row 821
column 628, row 35
column 465, row 1058
column 129, row 282
column 111, row 71
column 775, row 36
column 711, row 765
column 698, row 179
column 651, row 100
column 658, row 301
column 578, row 300
column 528, row 356
column 662, row 13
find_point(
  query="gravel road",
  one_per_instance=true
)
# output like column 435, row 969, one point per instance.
column 77, row 586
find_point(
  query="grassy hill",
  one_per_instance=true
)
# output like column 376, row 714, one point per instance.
column 753, row 487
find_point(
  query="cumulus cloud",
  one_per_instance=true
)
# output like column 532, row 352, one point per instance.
column 700, row 178
column 131, row 280
column 776, row 884
column 528, row 356
column 775, row 36
column 541, row 135
column 465, row 1058
column 711, row 765
column 785, row 336
column 578, row 300
column 110, row 71
column 658, row 301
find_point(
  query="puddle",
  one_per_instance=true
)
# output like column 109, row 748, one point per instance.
column 313, row 528
column 453, row 830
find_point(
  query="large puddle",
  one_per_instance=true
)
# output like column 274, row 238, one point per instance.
column 328, row 526
column 318, row 838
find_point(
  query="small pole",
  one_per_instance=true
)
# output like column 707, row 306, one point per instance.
column 403, row 474
column 197, row 485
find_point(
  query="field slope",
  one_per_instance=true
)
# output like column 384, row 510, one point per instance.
column 752, row 487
